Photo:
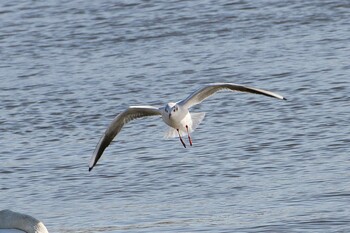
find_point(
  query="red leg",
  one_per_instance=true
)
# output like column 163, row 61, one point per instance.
column 181, row 138
column 189, row 137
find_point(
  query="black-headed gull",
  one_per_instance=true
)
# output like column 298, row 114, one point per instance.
column 176, row 115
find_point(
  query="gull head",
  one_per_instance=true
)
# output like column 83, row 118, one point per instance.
column 171, row 109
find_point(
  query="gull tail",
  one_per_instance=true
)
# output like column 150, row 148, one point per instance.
column 171, row 133
column 197, row 118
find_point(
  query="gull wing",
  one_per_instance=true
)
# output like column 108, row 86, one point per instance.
column 117, row 124
column 210, row 89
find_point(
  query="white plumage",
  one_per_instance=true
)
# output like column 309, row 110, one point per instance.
column 13, row 222
column 175, row 115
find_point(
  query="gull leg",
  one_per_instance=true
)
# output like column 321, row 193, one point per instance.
column 189, row 137
column 181, row 138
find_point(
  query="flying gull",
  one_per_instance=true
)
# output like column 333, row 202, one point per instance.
column 176, row 115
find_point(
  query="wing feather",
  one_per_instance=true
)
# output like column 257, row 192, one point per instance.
column 210, row 89
column 117, row 124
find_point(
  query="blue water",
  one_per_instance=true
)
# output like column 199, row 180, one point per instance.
column 257, row 164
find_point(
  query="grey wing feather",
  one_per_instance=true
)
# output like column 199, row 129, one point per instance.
column 117, row 124
column 208, row 90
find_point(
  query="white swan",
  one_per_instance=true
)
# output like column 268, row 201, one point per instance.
column 13, row 222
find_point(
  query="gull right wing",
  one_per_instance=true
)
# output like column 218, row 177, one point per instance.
column 117, row 124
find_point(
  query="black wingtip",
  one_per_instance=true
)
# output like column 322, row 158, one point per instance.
column 284, row 98
column 90, row 168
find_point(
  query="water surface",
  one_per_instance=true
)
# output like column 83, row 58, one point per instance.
column 257, row 164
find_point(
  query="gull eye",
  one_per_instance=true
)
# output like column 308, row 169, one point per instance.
column 174, row 109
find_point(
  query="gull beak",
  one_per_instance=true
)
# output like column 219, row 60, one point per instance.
column 169, row 115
